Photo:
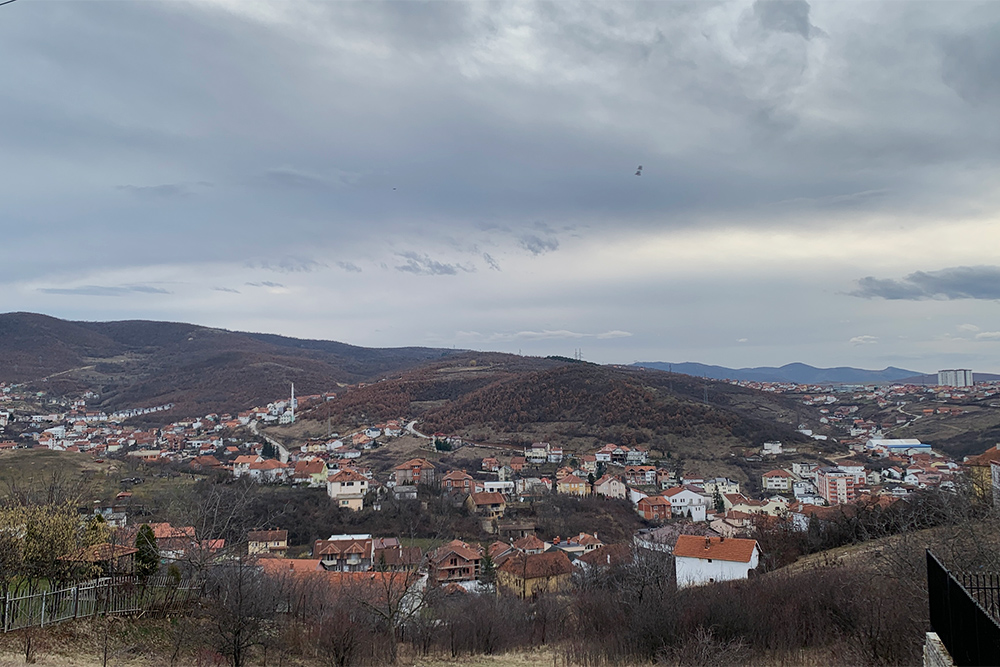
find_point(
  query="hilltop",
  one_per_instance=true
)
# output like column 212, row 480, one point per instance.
column 199, row 369
column 510, row 400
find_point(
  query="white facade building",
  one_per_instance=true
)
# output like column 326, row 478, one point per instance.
column 705, row 560
column 957, row 377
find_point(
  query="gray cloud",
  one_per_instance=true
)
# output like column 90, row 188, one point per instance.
column 226, row 289
column 103, row 290
column 791, row 16
column 288, row 265
column 264, row 283
column 493, row 264
column 961, row 282
column 164, row 191
column 350, row 267
column 537, row 245
column 424, row 265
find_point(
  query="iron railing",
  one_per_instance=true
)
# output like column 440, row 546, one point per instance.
column 958, row 616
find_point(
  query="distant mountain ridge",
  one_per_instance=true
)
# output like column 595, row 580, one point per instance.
column 795, row 372
column 199, row 369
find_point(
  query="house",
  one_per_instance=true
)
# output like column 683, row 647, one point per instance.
column 580, row 544
column 489, row 505
column 515, row 530
column 588, row 462
column 640, row 475
column 205, row 462
column 311, row 472
column 722, row 485
column 771, row 448
column 777, row 481
column 241, row 465
column 605, row 556
column 345, row 553
column 517, row 463
column 504, row 487
column 686, row 501
column 654, row 508
column 527, row 575
column 980, row 474
column 704, row 560
column 610, row 487
column 173, row 543
column 573, row 485
column 348, row 488
column 537, row 454
column 636, row 456
column 531, row 545
column 267, row 471
column 414, row 472
column 267, row 543
column 390, row 555
column 404, row 492
column 457, row 480
column 453, row 562
column 490, row 464
column 104, row 559
column 555, row 454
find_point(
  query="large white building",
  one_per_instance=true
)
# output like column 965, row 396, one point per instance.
column 957, row 377
column 706, row 560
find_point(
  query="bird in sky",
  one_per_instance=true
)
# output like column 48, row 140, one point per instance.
column 638, row 172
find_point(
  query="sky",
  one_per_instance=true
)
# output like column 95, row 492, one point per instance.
column 818, row 180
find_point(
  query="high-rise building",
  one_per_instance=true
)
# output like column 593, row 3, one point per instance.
column 960, row 377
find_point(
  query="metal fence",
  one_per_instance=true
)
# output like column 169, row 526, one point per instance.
column 968, row 631
column 117, row 595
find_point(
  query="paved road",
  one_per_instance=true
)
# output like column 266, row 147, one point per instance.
column 411, row 427
column 282, row 451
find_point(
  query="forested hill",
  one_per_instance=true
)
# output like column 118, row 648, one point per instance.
column 574, row 404
column 139, row 363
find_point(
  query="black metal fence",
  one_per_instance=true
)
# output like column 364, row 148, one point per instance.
column 959, row 617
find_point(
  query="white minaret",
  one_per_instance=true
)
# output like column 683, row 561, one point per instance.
column 292, row 403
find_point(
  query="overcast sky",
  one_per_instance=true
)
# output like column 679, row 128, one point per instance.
column 819, row 181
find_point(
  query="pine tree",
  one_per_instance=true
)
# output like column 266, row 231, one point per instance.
column 147, row 559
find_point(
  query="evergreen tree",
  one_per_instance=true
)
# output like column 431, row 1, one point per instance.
column 720, row 505
column 267, row 451
column 147, row 559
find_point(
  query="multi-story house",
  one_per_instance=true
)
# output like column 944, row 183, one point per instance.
column 455, row 561
column 413, row 472
column 345, row 553
column 347, row 488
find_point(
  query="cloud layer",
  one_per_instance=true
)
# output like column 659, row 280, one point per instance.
column 400, row 173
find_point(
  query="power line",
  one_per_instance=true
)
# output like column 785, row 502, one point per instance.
column 6, row 2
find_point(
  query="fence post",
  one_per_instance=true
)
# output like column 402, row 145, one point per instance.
column 43, row 609
column 76, row 601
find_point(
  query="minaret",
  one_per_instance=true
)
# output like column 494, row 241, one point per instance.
column 292, row 404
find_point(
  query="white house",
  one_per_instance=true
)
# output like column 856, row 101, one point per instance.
column 348, row 488
column 777, row 480
column 685, row 501
column 722, row 484
column 771, row 448
column 704, row 560
column 504, row 487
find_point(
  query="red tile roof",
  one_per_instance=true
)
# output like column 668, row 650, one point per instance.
column 717, row 548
